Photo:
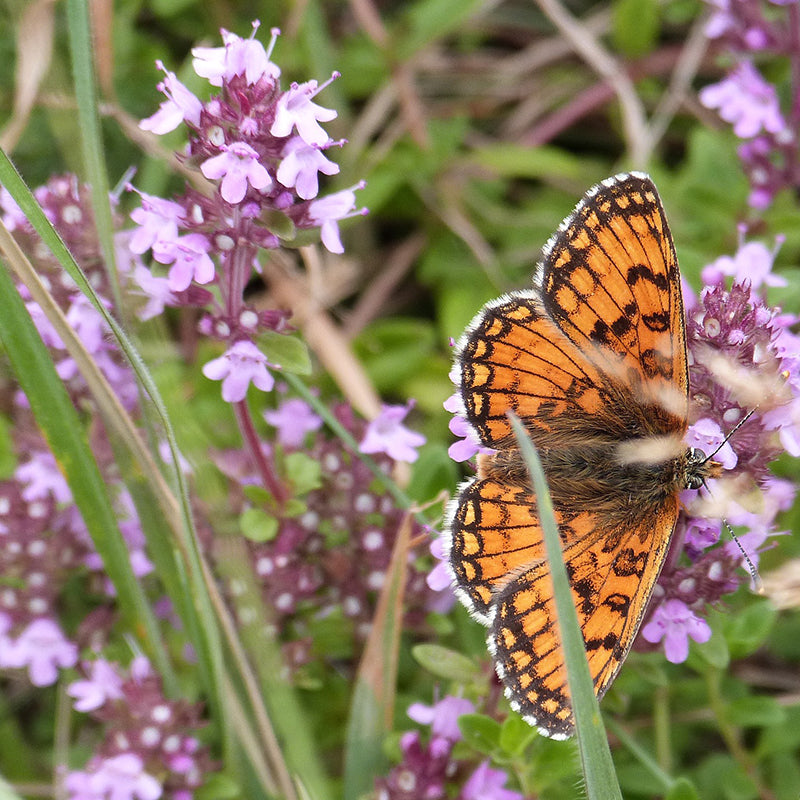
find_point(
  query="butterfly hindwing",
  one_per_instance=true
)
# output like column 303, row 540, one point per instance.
column 611, row 572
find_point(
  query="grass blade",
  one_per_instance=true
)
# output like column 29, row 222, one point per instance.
column 595, row 755
column 372, row 707
column 61, row 427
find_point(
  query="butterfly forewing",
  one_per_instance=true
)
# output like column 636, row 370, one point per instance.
column 593, row 361
column 610, row 279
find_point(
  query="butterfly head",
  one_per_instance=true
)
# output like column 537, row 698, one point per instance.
column 698, row 468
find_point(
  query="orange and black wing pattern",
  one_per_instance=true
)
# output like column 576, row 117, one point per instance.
column 582, row 359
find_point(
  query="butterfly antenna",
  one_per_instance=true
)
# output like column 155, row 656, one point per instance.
column 758, row 584
column 732, row 431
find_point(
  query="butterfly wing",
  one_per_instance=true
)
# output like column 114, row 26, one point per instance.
column 607, row 307
column 610, row 281
column 495, row 535
column 612, row 571
column 513, row 357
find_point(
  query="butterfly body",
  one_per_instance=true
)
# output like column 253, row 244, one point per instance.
column 593, row 361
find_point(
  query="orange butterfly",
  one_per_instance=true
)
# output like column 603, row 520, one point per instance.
column 593, row 361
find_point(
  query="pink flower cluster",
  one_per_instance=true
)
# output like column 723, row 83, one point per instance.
column 749, row 29
column 150, row 750
column 263, row 149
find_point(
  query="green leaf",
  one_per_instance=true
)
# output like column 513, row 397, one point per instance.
column 682, row 789
column 288, row 352
column 304, row 472
column 373, row 698
column 714, row 652
column 258, row 526
column 636, row 26
column 517, row 161
column 758, row 712
column 480, row 732
column 8, row 459
column 429, row 20
column 279, row 224
column 748, row 628
column 515, row 735
column 394, row 350
column 258, row 495
column 218, row 786
column 446, row 663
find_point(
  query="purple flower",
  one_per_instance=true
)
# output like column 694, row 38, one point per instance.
column 241, row 364
column 180, row 105
column 746, row 100
column 88, row 323
column 701, row 533
column 300, row 165
column 157, row 220
column 327, row 211
column 442, row 716
column 708, row 436
column 120, row 777
column 237, row 165
column 189, row 258
column 13, row 217
column 439, row 577
column 387, row 434
column 470, row 443
column 156, row 290
column 753, row 262
column 676, row 623
column 294, row 419
column 42, row 478
column 103, row 683
column 296, row 110
column 487, row 784
column 42, row 648
column 238, row 57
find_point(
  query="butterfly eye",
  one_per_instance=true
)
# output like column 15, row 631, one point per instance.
column 696, row 456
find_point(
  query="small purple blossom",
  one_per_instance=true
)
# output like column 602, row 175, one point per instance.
column 752, row 262
column 42, row 478
column 387, row 434
column 439, row 577
column 157, row 221
column 293, row 419
column 747, row 101
column 442, row 716
column 328, row 211
column 121, row 777
column 676, row 623
column 239, row 57
column 486, row 783
column 180, row 106
column 41, row 648
column 709, row 437
column 103, row 684
column 242, row 364
column 238, row 164
column 156, row 290
column 295, row 109
column 189, row 258
column 300, row 165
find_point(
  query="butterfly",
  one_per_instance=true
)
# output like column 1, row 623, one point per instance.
column 593, row 360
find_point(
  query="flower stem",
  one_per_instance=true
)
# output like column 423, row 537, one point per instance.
column 253, row 444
